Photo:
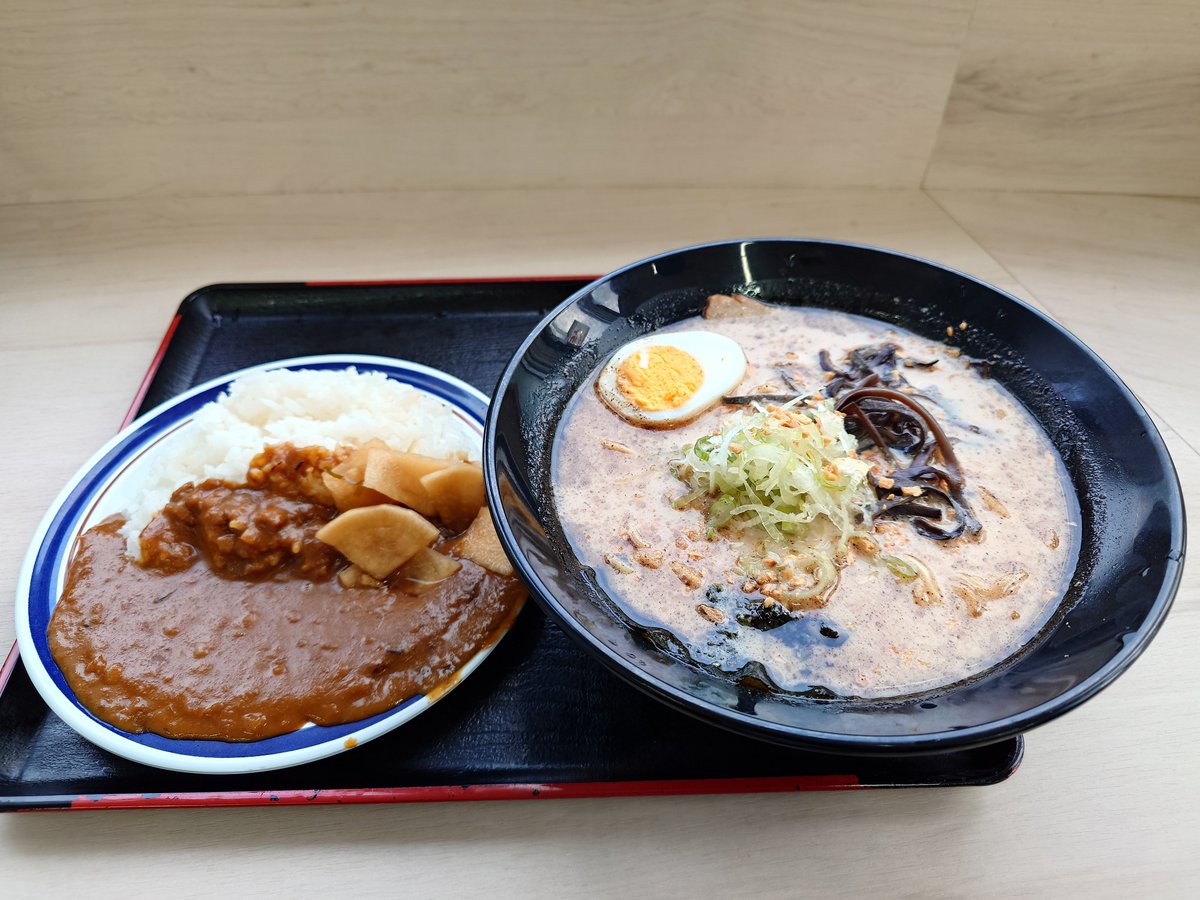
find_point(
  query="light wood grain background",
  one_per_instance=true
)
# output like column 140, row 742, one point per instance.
column 1075, row 95
column 287, row 97
column 108, row 99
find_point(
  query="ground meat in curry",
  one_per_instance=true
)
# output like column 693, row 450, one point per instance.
column 235, row 626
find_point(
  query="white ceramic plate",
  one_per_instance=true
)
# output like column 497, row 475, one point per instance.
column 100, row 488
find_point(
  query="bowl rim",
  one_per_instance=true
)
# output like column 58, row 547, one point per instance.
column 966, row 737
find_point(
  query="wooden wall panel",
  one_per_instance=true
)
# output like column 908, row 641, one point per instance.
column 1075, row 95
column 1120, row 272
column 122, row 98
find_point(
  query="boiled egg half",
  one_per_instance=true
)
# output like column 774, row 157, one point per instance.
column 665, row 380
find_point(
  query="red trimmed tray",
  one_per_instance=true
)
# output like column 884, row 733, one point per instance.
column 539, row 719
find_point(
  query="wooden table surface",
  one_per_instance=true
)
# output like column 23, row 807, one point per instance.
column 1107, row 802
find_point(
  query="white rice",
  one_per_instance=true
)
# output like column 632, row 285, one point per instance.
column 305, row 408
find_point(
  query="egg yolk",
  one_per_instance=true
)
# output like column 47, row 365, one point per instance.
column 659, row 378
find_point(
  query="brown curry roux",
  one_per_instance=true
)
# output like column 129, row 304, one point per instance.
column 236, row 626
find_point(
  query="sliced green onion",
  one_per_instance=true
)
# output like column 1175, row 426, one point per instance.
column 721, row 511
column 899, row 565
column 687, row 499
column 778, row 480
column 778, row 483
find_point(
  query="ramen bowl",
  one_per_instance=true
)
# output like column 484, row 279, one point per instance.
column 1130, row 504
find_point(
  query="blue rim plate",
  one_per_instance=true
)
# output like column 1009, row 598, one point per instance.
column 95, row 491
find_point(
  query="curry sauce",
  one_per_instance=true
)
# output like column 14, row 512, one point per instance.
column 235, row 626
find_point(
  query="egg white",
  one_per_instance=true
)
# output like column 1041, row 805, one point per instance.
column 721, row 359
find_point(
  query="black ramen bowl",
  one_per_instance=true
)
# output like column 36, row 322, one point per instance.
column 1132, row 544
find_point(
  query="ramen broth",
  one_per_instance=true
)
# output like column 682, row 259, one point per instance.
column 614, row 488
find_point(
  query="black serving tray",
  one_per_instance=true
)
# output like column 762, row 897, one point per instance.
column 538, row 719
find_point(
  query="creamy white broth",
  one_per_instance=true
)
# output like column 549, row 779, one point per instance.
column 871, row 639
